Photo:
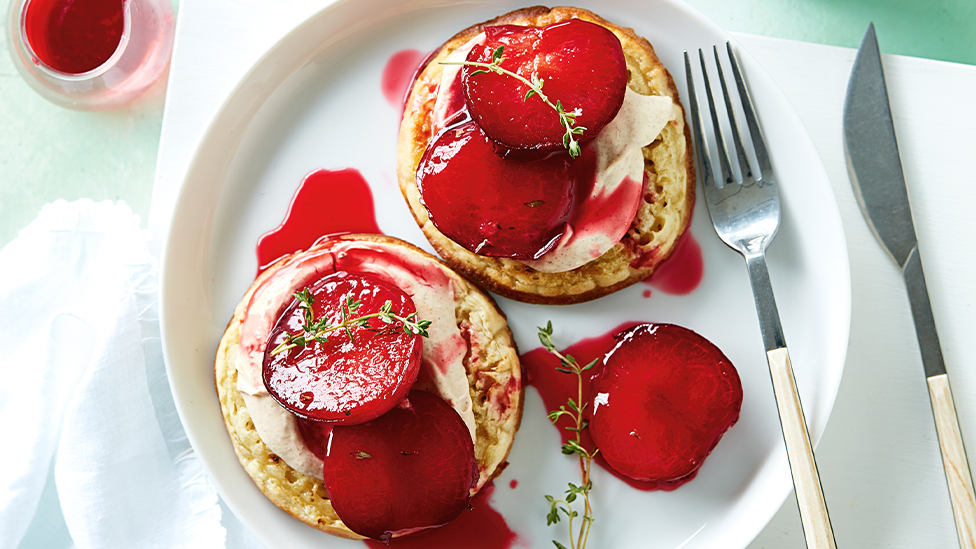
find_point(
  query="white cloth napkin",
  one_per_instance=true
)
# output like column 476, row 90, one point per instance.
column 84, row 399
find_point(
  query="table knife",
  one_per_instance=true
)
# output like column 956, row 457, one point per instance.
column 879, row 185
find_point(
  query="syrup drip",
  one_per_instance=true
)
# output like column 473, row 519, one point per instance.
column 555, row 387
column 400, row 72
column 681, row 273
column 480, row 527
column 327, row 202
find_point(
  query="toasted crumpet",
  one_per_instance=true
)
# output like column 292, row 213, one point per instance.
column 662, row 217
column 494, row 382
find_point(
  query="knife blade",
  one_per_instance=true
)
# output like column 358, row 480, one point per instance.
column 879, row 185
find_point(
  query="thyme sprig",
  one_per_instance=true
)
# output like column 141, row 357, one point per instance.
column 566, row 118
column 318, row 330
column 574, row 409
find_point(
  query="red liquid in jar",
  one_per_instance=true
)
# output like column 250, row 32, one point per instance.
column 555, row 387
column 480, row 527
column 399, row 73
column 681, row 273
column 74, row 36
column 327, row 202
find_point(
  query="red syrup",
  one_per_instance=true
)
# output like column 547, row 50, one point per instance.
column 327, row 202
column 555, row 387
column 479, row 527
column 400, row 72
column 74, row 36
column 681, row 273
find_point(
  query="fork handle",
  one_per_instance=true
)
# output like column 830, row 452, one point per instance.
column 806, row 479
column 799, row 449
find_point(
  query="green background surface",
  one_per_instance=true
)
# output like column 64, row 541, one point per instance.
column 48, row 152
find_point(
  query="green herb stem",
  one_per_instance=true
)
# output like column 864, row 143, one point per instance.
column 318, row 330
column 576, row 409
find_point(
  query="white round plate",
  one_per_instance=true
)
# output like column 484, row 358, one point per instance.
column 315, row 101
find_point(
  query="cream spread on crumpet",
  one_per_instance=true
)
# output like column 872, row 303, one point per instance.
column 442, row 369
column 603, row 218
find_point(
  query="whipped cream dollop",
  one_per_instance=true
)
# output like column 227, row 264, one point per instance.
column 442, row 367
column 604, row 214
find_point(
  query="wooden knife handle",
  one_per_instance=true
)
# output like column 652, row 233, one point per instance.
column 954, row 460
column 806, row 479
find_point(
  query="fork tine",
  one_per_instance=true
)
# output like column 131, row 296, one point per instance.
column 758, row 142
column 736, row 134
column 723, row 151
column 704, row 156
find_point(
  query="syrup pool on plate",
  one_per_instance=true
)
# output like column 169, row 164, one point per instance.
column 90, row 54
column 479, row 527
column 313, row 213
column 682, row 273
column 399, row 74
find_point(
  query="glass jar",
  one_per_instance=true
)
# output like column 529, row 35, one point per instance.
column 90, row 54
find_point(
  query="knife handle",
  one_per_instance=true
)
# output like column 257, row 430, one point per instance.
column 806, row 479
column 954, row 460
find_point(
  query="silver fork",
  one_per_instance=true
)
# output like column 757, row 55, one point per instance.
column 746, row 217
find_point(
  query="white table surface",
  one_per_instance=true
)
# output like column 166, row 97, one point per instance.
column 879, row 458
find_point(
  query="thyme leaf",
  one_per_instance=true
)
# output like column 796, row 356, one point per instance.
column 577, row 536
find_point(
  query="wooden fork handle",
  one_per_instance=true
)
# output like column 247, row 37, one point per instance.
column 954, row 460
column 806, row 479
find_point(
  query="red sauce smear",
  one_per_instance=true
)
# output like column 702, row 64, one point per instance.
column 480, row 527
column 327, row 202
column 681, row 273
column 401, row 69
column 607, row 213
column 555, row 387
column 74, row 36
